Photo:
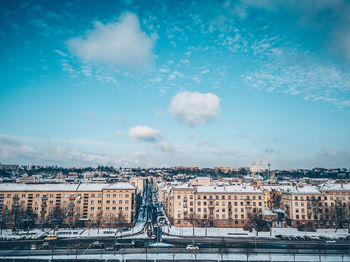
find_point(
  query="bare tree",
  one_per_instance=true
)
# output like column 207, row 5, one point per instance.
column 4, row 217
column 247, row 252
column 56, row 218
column 294, row 252
column 222, row 248
column 275, row 199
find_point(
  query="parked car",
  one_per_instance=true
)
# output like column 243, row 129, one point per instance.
column 45, row 245
column 96, row 244
column 50, row 238
column 192, row 247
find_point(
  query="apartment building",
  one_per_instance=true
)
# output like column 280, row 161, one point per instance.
column 214, row 205
column 138, row 182
column 325, row 206
column 97, row 203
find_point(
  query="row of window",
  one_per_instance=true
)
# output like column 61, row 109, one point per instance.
column 222, row 197
column 319, row 198
column 73, row 195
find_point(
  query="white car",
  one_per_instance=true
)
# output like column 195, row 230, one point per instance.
column 192, row 247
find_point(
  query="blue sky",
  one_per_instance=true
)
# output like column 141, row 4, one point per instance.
column 169, row 83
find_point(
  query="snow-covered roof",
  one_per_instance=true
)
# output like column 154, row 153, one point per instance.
column 335, row 187
column 62, row 187
column 184, row 186
column 237, row 188
column 120, row 185
column 304, row 190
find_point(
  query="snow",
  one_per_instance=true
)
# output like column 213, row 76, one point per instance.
column 200, row 256
column 239, row 232
column 62, row 187
column 243, row 188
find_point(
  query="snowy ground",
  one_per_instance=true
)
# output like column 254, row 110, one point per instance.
column 239, row 232
column 178, row 231
column 217, row 257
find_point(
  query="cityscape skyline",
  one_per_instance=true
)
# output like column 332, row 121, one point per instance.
column 173, row 83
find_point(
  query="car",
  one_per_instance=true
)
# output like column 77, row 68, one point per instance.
column 50, row 238
column 279, row 236
column 330, row 241
column 96, row 244
column 45, row 245
column 192, row 247
column 109, row 248
column 33, row 247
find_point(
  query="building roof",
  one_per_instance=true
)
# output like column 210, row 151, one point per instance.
column 237, row 188
column 335, row 187
column 63, row 187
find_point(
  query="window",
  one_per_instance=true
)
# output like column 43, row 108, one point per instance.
column 127, row 202
column 51, row 195
column 120, row 195
column 126, row 195
column 223, row 197
column 120, row 201
column 199, row 209
column 108, row 195
column 114, row 195
column 92, row 208
column 92, row 195
column 178, row 197
column 92, row 201
column 37, row 195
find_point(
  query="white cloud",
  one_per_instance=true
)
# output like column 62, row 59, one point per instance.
column 60, row 52
column 143, row 133
column 195, row 108
column 115, row 44
column 163, row 146
column 20, row 149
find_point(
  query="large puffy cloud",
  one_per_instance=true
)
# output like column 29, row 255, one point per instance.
column 143, row 133
column 116, row 44
column 195, row 108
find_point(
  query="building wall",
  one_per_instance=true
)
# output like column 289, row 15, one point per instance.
column 319, row 210
column 229, row 209
column 93, row 206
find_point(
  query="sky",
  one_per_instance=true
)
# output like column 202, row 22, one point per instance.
column 175, row 83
